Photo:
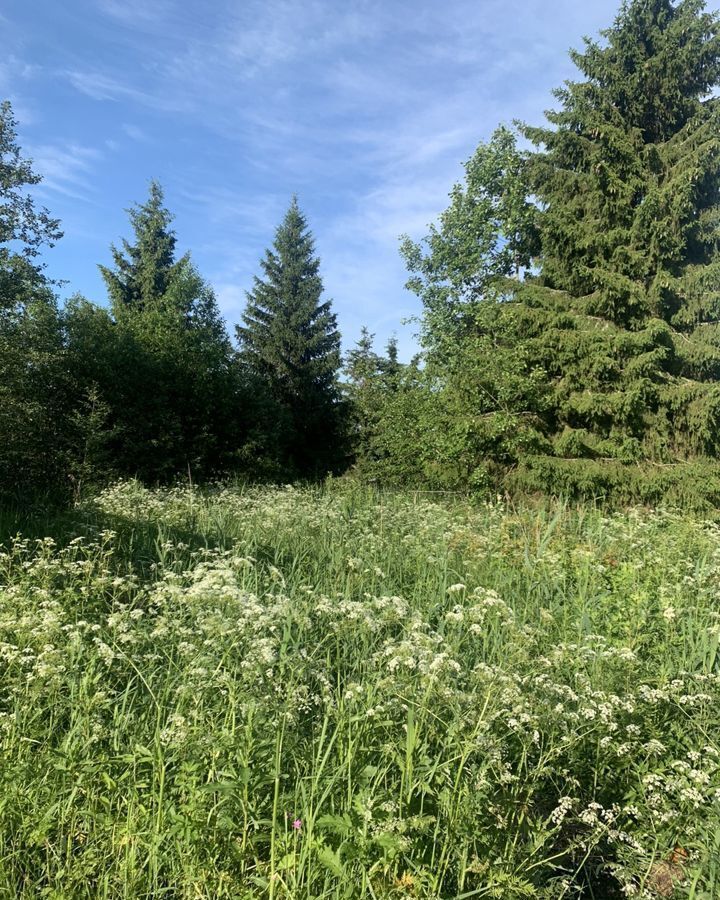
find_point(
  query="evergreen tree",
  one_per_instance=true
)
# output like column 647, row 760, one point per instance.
column 144, row 270
column 290, row 340
column 625, row 310
column 165, row 374
column 363, row 369
column 373, row 382
column 609, row 341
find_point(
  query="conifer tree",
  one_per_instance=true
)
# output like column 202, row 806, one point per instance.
column 389, row 413
column 289, row 338
column 611, row 336
column 145, row 269
column 171, row 388
column 626, row 308
column 363, row 368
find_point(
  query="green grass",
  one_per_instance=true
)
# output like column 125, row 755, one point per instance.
column 450, row 700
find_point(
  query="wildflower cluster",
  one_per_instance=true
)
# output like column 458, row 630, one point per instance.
column 290, row 692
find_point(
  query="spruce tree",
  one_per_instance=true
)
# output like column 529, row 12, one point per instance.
column 624, row 315
column 391, row 414
column 289, row 338
column 171, row 389
column 611, row 334
column 364, row 389
column 145, row 269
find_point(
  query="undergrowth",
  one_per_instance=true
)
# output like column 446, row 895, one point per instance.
column 339, row 693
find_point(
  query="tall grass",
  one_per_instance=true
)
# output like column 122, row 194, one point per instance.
column 339, row 693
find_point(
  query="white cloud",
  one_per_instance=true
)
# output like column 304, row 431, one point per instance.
column 65, row 168
column 134, row 12
column 135, row 133
column 100, row 86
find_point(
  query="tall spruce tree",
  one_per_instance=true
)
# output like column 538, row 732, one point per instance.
column 628, row 297
column 610, row 341
column 144, row 270
column 289, row 338
column 171, row 389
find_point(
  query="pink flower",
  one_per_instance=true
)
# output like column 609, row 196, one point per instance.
column 297, row 824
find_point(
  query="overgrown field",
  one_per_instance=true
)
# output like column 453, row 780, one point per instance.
column 292, row 693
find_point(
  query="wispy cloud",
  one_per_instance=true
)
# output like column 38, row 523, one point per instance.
column 13, row 69
column 14, row 75
column 366, row 108
column 276, row 32
column 66, row 168
column 134, row 132
column 100, row 86
column 136, row 11
column 103, row 87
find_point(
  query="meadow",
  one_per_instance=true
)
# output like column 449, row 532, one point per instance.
column 338, row 692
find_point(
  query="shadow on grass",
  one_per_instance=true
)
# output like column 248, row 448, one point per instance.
column 139, row 542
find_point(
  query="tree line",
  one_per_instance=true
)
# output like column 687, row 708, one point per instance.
column 151, row 385
column 570, row 337
column 571, row 289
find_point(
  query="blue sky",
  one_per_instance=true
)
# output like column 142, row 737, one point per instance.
column 364, row 108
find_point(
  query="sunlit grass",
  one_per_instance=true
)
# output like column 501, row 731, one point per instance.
column 297, row 693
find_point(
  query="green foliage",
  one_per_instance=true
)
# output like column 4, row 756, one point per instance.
column 160, row 363
column 629, row 173
column 33, row 390
column 24, row 229
column 33, row 395
column 344, row 693
column 629, row 182
column 290, row 340
column 372, row 381
column 488, row 233
column 478, row 401
column 571, row 294
column 691, row 485
column 146, row 270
